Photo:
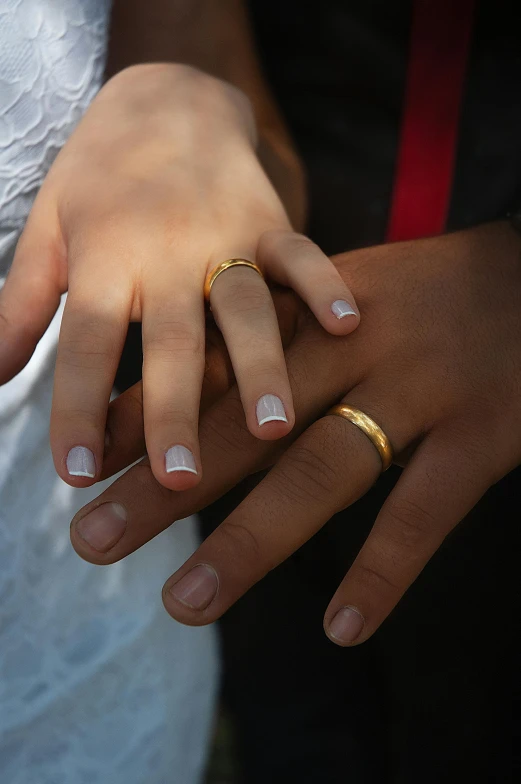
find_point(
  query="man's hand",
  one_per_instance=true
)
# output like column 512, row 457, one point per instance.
column 436, row 362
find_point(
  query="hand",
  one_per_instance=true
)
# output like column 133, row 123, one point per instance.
column 160, row 183
column 436, row 362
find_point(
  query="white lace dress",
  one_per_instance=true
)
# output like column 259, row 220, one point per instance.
column 97, row 684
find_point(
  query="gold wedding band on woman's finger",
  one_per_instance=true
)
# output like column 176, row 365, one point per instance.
column 368, row 426
column 222, row 267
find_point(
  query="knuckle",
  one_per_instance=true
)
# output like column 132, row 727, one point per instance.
column 309, row 477
column 169, row 418
column 70, row 419
column 242, row 542
column 270, row 240
column 284, row 485
column 108, row 223
column 375, row 579
column 302, row 243
column 85, row 346
column 174, row 337
column 281, row 242
column 410, row 523
column 266, row 372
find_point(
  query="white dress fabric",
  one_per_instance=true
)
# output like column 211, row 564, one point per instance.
column 97, row 684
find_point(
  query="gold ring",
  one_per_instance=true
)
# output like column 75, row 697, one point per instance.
column 222, row 267
column 368, row 426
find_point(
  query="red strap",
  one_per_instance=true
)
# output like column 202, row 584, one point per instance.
column 440, row 42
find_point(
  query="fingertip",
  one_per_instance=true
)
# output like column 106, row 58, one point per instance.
column 96, row 530
column 187, row 598
column 79, row 482
column 182, row 614
column 337, row 317
column 79, row 466
column 345, row 628
column 180, row 480
column 274, row 418
column 340, row 326
column 179, row 469
column 271, row 430
column 344, row 310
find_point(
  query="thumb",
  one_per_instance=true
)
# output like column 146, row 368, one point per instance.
column 31, row 293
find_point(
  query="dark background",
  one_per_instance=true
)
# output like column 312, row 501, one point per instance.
column 434, row 695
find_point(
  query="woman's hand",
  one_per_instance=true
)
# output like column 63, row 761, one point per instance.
column 436, row 363
column 158, row 185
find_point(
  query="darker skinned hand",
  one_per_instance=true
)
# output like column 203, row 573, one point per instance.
column 436, row 362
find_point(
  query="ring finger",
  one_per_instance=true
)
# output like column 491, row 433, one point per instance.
column 245, row 313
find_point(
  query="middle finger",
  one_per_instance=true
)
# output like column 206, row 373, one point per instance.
column 245, row 313
column 173, row 366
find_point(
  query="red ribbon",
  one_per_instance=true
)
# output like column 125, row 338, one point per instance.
column 439, row 51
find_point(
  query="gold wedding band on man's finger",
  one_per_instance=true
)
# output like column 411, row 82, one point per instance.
column 368, row 426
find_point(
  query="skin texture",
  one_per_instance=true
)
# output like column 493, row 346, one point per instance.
column 436, row 362
column 215, row 37
column 182, row 195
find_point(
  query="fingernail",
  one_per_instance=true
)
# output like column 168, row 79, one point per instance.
column 342, row 308
column 80, row 462
column 270, row 408
column 179, row 458
column 347, row 625
column 103, row 527
column 197, row 588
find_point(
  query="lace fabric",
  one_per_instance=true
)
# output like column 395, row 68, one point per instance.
column 52, row 55
column 97, row 683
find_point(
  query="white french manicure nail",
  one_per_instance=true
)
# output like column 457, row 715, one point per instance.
column 80, row 462
column 179, row 458
column 342, row 308
column 270, row 409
